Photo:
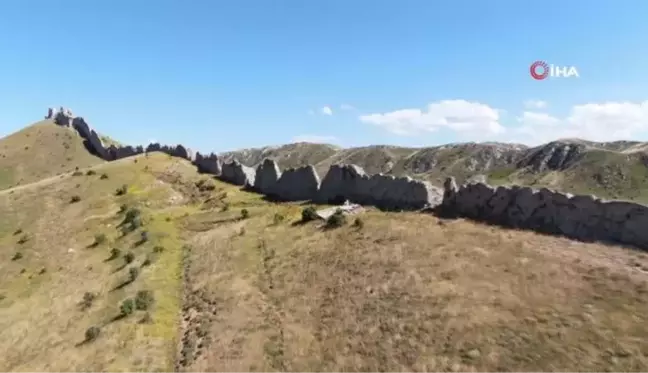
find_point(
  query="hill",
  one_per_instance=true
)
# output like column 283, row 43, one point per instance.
column 615, row 170
column 40, row 151
column 222, row 279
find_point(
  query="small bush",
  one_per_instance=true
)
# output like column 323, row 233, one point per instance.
column 309, row 214
column 17, row 232
column 129, row 257
column 143, row 300
column 127, row 307
column 75, row 199
column 92, row 333
column 133, row 273
column 158, row 249
column 123, row 208
column 245, row 214
column 336, row 220
column 225, row 207
column 205, row 185
column 17, row 256
column 144, row 237
column 87, row 300
column 278, row 218
column 24, row 238
column 132, row 214
column 100, row 238
column 148, row 260
column 122, row 190
column 114, row 253
column 91, row 172
column 103, row 176
column 358, row 223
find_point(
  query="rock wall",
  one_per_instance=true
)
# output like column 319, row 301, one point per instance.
column 297, row 184
column 267, row 175
column 585, row 218
column 238, row 174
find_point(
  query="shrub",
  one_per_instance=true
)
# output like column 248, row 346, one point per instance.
column 336, row 220
column 18, row 231
column 278, row 218
column 148, row 260
column 122, row 190
column 100, row 238
column 144, row 237
column 114, row 253
column 225, row 207
column 103, row 176
column 129, row 257
column 358, row 223
column 309, row 214
column 92, row 333
column 158, row 249
column 24, row 238
column 143, row 300
column 133, row 273
column 17, row 256
column 75, row 199
column 123, row 208
column 88, row 298
column 127, row 307
column 132, row 214
column 245, row 214
column 205, row 185
column 91, row 172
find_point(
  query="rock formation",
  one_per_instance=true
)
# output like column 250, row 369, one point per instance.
column 580, row 217
column 238, row 174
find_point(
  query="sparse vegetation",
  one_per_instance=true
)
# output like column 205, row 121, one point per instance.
column 127, row 307
column 23, row 239
column 103, row 176
column 99, row 239
column 91, row 172
column 205, row 185
column 278, row 218
column 77, row 173
column 358, row 223
column 143, row 300
column 336, row 220
column 75, row 198
column 245, row 214
column 114, row 253
column 158, row 249
column 122, row 190
column 87, row 300
column 17, row 232
column 309, row 214
column 17, row 256
column 92, row 333
column 133, row 273
column 129, row 257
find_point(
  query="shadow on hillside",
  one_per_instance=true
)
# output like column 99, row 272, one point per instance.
column 121, row 286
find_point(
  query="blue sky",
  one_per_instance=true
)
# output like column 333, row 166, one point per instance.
column 220, row 75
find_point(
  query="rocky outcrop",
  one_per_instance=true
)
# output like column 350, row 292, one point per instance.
column 581, row 217
column 297, row 184
column 350, row 182
column 238, row 174
column 209, row 164
column 267, row 175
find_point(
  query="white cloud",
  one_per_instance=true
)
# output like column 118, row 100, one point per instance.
column 535, row 104
column 606, row 121
column 326, row 110
column 347, row 107
column 463, row 117
column 317, row 139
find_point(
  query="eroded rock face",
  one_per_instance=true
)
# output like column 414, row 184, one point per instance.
column 93, row 142
column 580, row 217
column 297, row 184
column 267, row 175
column 350, row 182
column 238, row 174
column 209, row 164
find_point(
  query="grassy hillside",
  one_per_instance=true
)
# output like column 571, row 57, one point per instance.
column 258, row 290
column 40, row 151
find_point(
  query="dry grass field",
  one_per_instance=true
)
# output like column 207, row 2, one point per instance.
column 258, row 290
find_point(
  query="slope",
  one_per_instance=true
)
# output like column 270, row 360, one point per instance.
column 68, row 260
column 39, row 151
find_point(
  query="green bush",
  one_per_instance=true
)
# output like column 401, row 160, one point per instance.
column 114, row 253
column 127, row 307
column 92, row 333
column 336, row 220
column 309, row 214
column 129, row 257
column 75, row 199
column 158, row 249
column 245, row 214
column 132, row 214
column 17, row 256
column 144, row 300
column 133, row 273
column 91, row 172
column 103, row 176
column 122, row 190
